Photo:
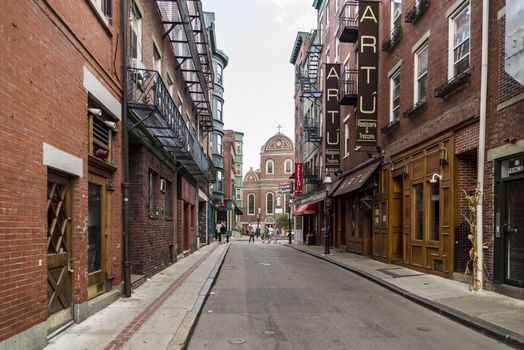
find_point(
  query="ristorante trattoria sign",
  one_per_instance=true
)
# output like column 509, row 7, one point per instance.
column 368, row 73
column 332, row 117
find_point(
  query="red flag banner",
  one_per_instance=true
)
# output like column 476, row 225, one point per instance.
column 299, row 167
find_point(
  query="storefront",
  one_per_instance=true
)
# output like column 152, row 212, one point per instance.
column 413, row 213
column 509, row 221
column 309, row 214
column 353, row 208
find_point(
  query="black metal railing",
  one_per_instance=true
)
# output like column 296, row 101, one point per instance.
column 309, row 70
column 312, row 174
column 392, row 125
column 155, row 110
column 453, row 84
column 415, row 109
column 348, row 22
column 393, row 38
column 348, row 89
column 416, row 10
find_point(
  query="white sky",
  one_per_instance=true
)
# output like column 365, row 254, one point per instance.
column 258, row 37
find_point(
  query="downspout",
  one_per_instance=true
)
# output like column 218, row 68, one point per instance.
column 482, row 141
column 125, row 152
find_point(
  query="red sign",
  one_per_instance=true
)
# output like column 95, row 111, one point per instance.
column 299, row 167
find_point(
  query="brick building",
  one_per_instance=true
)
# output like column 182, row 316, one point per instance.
column 60, row 179
column 262, row 201
column 80, row 148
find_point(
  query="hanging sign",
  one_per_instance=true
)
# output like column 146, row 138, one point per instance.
column 299, row 168
column 332, row 117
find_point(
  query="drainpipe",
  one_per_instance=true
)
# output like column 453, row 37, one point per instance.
column 482, row 139
column 125, row 153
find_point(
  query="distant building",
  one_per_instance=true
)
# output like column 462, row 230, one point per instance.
column 263, row 202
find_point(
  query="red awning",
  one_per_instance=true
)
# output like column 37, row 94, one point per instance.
column 306, row 209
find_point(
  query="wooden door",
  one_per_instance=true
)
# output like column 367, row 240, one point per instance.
column 59, row 251
column 395, row 221
column 98, row 234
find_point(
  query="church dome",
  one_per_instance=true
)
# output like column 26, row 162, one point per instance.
column 278, row 143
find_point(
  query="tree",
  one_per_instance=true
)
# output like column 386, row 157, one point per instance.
column 282, row 223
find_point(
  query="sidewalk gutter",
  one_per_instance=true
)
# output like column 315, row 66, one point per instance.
column 504, row 335
column 184, row 331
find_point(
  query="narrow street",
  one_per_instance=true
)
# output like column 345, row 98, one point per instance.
column 274, row 297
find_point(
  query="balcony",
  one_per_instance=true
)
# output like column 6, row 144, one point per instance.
column 312, row 175
column 416, row 108
column 348, row 89
column 348, row 23
column 392, row 39
column 309, row 70
column 156, row 115
column 453, row 84
column 416, row 10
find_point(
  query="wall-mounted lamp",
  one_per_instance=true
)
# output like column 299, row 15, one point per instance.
column 97, row 112
column 435, row 178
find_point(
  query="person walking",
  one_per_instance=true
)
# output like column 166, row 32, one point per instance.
column 223, row 232
column 217, row 230
column 251, row 235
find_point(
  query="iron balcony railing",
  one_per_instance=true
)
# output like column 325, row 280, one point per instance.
column 312, row 174
column 392, row 39
column 416, row 10
column 348, row 22
column 153, row 108
column 309, row 70
column 348, row 89
column 453, row 84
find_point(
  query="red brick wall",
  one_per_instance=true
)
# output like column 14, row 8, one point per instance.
column 152, row 236
column 43, row 100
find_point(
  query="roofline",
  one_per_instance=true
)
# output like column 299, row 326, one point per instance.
column 296, row 47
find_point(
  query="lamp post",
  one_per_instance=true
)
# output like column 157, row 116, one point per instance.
column 258, row 223
column 289, row 220
column 327, row 213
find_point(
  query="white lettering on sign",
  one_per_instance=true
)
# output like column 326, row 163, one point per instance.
column 516, row 169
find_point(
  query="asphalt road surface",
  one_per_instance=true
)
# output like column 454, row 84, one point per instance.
column 274, row 297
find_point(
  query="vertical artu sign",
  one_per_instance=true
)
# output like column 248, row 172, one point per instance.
column 299, row 167
column 332, row 117
column 367, row 74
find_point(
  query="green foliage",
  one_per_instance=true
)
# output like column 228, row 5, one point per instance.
column 282, row 223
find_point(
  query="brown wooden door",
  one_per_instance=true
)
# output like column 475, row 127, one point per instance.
column 59, row 250
column 98, row 235
column 396, row 222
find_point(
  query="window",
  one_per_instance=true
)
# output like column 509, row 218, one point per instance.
column 220, row 182
column 346, row 138
column 136, row 34
column 269, row 167
column 170, row 85
column 421, row 73
column 394, row 83
column 219, row 74
column 219, row 110
column 238, row 147
column 157, row 60
column 100, row 139
column 328, row 18
column 337, row 50
column 219, row 144
column 103, row 7
column 288, row 165
column 269, row 203
column 418, row 205
column 238, row 169
column 251, row 204
column 396, row 12
column 459, row 26
column 239, row 194
column 434, row 212
column 151, row 192
column 168, row 200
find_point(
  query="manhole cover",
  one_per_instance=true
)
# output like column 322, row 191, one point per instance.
column 269, row 332
column 237, row 340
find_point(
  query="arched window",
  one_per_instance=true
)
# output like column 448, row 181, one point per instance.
column 269, row 203
column 288, row 165
column 269, row 167
column 251, row 204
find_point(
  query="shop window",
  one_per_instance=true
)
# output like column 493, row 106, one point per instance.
column 434, row 212
column 418, row 206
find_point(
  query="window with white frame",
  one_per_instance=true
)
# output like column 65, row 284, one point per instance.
column 220, row 181
column 459, row 32
column 157, row 60
column 136, row 34
column 219, row 109
column 288, row 165
column 328, row 18
column 421, row 73
column 238, row 148
column 170, row 85
column 238, row 194
column 219, row 144
column 251, row 204
column 103, row 7
column 269, row 203
column 219, row 79
column 394, row 93
column 270, row 167
column 238, row 168
column 396, row 12
column 337, row 50
column 346, row 137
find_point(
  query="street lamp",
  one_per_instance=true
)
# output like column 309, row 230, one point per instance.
column 327, row 214
column 258, row 223
column 289, row 219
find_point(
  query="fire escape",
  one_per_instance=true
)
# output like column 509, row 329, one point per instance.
column 154, row 117
column 309, row 81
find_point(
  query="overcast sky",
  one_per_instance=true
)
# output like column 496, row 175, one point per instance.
column 258, row 37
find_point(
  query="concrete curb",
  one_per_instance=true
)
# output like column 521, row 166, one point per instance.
column 501, row 334
column 184, row 331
